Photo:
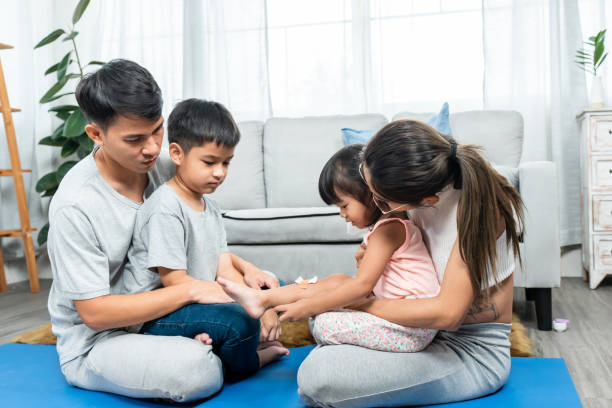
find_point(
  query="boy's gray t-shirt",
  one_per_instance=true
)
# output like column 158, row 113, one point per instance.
column 170, row 234
column 90, row 232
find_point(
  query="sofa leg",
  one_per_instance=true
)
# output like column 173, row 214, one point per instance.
column 543, row 303
column 529, row 294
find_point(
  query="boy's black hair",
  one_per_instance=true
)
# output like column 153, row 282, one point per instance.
column 194, row 122
column 341, row 175
column 119, row 87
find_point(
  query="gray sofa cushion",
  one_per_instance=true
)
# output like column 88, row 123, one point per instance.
column 500, row 133
column 295, row 151
column 288, row 225
column 244, row 186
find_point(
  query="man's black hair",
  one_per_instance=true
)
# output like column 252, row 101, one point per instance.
column 194, row 122
column 119, row 87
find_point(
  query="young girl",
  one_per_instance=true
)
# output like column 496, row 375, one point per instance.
column 396, row 265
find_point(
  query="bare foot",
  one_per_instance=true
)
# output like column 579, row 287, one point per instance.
column 204, row 338
column 270, row 354
column 250, row 299
column 266, row 344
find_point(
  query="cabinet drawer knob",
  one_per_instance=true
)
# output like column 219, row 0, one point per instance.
column 610, row 171
column 610, row 131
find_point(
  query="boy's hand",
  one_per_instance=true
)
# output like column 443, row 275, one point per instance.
column 270, row 326
column 256, row 279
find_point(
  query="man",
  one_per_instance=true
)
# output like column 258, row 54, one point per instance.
column 91, row 222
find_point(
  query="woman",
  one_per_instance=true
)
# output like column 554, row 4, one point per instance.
column 467, row 213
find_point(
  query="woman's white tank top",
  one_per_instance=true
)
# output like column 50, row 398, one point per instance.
column 439, row 227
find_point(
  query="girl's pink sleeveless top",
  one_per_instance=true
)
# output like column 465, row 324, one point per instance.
column 410, row 271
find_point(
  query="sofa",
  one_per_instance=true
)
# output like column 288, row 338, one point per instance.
column 275, row 218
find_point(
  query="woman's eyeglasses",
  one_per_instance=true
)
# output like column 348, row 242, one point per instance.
column 382, row 205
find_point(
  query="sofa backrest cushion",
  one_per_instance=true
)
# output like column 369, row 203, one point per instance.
column 295, row 151
column 499, row 133
column 244, row 186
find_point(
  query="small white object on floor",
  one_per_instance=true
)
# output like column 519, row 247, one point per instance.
column 311, row 280
column 560, row 325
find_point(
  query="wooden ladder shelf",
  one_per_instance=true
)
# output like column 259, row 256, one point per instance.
column 16, row 172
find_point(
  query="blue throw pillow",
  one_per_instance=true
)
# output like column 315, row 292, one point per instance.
column 439, row 121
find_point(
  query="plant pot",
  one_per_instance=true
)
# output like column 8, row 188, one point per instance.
column 597, row 93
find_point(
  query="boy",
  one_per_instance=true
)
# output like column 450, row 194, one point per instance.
column 92, row 217
column 179, row 237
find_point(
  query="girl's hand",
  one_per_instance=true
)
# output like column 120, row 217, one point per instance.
column 296, row 311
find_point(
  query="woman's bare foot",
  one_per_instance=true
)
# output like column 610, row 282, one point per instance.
column 251, row 299
column 271, row 353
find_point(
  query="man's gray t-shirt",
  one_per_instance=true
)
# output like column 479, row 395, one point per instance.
column 90, row 232
column 170, row 234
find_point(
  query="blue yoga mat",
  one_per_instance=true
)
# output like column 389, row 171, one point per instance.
column 30, row 377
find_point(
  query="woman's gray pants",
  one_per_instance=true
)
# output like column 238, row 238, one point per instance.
column 469, row 363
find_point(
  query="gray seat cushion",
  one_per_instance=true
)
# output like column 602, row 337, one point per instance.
column 295, row 151
column 288, row 225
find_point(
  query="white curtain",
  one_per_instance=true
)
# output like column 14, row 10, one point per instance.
column 529, row 48
column 225, row 55
column 265, row 58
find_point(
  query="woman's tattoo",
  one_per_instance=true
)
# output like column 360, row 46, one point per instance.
column 483, row 312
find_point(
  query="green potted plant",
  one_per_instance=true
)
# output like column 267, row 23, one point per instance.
column 70, row 134
column 590, row 61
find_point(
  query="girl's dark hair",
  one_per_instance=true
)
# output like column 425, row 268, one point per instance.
column 409, row 160
column 194, row 122
column 341, row 175
column 119, row 87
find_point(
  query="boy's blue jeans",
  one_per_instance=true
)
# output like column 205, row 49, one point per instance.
column 234, row 333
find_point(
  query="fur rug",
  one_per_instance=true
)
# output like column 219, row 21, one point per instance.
column 297, row 334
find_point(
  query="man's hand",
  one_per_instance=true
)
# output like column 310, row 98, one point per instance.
column 296, row 311
column 359, row 254
column 256, row 278
column 207, row 292
column 270, row 326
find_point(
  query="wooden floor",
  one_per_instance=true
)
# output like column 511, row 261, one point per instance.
column 586, row 346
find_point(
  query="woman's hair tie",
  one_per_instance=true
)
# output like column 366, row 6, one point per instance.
column 453, row 154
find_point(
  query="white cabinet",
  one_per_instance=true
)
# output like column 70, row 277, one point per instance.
column 596, row 176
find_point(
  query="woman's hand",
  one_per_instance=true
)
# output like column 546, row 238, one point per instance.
column 296, row 311
column 270, row 326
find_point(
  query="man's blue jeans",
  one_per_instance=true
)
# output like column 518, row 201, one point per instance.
column 234, row 333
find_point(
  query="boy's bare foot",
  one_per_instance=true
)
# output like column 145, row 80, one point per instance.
column 266, row 344
column 250, row 299
column 271, row 353
column 204, row 338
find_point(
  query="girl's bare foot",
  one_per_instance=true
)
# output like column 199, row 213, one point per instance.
column 271, row 353
column 250, row 299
